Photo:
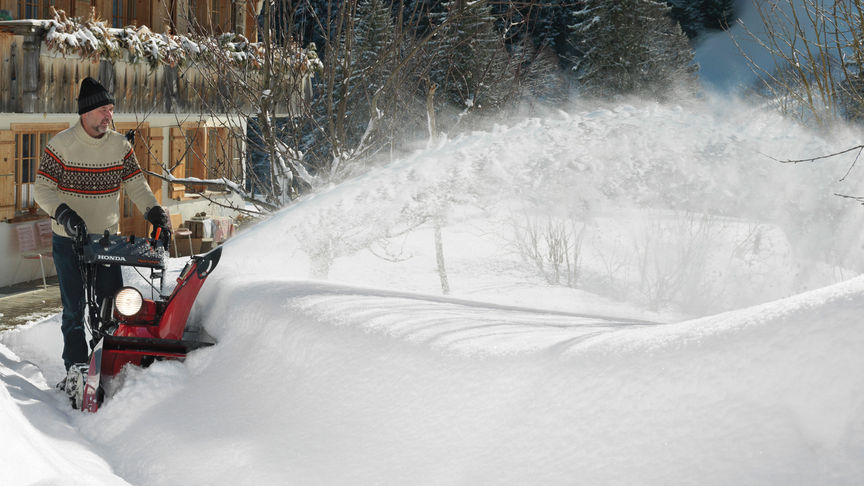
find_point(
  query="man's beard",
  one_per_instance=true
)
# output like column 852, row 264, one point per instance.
column 98, row 128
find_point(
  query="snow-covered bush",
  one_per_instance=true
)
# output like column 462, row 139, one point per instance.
column 552, row 245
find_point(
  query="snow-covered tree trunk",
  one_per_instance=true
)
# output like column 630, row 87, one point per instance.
column 439, row 257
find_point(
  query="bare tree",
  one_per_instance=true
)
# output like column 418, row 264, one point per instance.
column 261, row 98
column 554, row 248
column 360, row 95
column 817, row 54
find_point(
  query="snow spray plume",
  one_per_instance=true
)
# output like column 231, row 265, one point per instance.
column 652, row 185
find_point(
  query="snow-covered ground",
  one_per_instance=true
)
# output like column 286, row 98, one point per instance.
column 706, row 330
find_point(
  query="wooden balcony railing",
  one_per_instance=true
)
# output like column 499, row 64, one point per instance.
column 34, row 79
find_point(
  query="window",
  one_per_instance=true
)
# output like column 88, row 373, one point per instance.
column 34, row 9
column 123, row 13
column 21, row 149
column 41, row 9
column 28, row 149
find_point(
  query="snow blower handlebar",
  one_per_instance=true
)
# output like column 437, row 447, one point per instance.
column 94, row 251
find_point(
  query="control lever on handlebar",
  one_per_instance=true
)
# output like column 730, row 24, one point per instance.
column 156, row 236
column 159, row 236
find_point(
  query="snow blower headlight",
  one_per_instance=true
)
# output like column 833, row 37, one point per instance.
column 128, row 301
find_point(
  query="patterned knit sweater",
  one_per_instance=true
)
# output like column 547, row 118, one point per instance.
column 86, row 173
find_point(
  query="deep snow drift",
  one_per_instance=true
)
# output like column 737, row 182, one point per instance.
column 340, row 361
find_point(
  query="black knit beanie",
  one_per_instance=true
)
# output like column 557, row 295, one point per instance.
column 92, row 96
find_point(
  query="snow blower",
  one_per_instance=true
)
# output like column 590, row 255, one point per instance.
column 129, row 329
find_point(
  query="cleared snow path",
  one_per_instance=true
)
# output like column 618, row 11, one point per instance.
column 38, row 445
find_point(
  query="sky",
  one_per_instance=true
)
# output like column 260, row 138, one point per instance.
column 701, row 326
column 723, row 68
column 721, row 65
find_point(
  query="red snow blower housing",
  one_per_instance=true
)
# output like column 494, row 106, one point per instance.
column 129, row 328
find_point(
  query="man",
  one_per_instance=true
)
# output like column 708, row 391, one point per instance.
column 79, row 179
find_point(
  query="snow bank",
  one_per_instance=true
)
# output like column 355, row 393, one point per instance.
column 39, row 445
column 324, row 384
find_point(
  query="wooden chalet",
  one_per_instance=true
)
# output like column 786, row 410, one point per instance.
column 38, row 91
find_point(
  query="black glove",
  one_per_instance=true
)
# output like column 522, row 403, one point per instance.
column 159, row 219
column 69, row 219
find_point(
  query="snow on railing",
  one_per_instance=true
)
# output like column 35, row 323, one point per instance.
column 93, row 39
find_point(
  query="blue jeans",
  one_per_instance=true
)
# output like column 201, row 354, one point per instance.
column 108, row 281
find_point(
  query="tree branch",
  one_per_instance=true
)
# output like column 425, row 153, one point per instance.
column 814, row 159
column 859, row 199
column 224, row 184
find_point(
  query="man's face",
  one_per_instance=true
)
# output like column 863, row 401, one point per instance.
column 96, row 121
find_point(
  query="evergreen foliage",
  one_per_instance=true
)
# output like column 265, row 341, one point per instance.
column 372, row 60
column 630, row 47
column 362, row 62
column 717, row 14
column 309, row 19
column 539, row 73
column 548, row 24
column 373, row 44
column 417, row 14
column 689, row 14
column 697, row 16
column 472, row 65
